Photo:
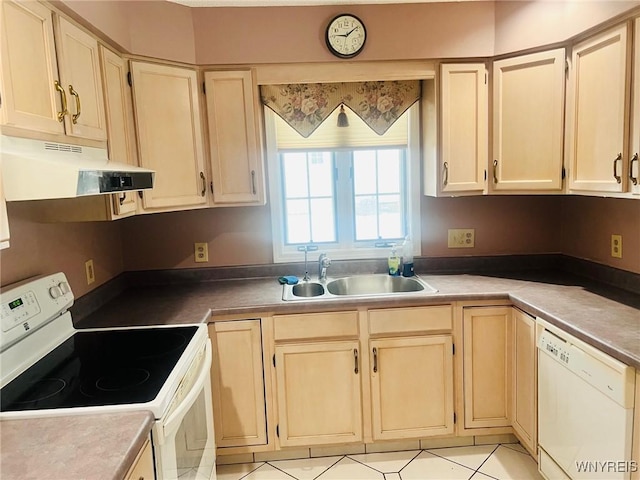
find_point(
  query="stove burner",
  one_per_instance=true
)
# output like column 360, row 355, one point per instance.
column 164, row 344
column 39, row 390
column 122, row 379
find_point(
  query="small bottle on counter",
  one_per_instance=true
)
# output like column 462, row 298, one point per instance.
column 407, row 257
column 394, row 263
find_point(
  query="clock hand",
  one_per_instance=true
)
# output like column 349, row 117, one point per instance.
column 352, row 30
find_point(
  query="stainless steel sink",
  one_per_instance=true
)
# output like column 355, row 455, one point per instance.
column 376, row 285
column 357, row 285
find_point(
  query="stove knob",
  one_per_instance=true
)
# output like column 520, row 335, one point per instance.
column 64, row 287
column 55, row 292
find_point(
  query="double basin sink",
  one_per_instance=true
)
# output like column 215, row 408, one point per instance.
column 357, row 285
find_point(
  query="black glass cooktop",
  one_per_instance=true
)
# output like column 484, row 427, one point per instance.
column 108, row 367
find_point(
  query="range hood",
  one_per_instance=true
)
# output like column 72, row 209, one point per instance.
column 39, row 170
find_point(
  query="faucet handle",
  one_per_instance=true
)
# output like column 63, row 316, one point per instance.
column 324, row 260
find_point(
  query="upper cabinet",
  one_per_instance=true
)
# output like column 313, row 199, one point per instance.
column 235, row 139
column 170, row 141
column 463, row 128
column 634, row 165
column 119, row 117
column 4, row 220
column 597, row 112
column 528, row 111
column 35, row 95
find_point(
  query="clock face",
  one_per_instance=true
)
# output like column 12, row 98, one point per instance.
column 346, row 36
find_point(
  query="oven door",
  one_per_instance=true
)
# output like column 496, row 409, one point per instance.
column 184, row 440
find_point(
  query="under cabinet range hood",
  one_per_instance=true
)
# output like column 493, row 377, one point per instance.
column 39, row 170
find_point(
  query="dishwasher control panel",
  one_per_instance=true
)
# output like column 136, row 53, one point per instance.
column 554, row 346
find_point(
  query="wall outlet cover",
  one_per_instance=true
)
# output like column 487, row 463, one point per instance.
column 616, row 246
column 201, row 252
column 89, row 270
column 461, row 238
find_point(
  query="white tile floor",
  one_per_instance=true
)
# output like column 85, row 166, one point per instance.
column 501, row 462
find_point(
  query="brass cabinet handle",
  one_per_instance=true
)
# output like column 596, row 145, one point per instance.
column 615, row 170
column 495, row 171
column 375, row 360
column 634, row 180
column 63, row 98
column 445, row 174
column 253, row 181
column 122, row 198
column 204, row 184
column 355, row 357
column 75, row 116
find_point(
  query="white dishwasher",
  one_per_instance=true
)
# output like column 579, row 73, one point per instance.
column 585, row 409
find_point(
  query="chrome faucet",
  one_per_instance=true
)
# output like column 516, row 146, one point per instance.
column 323, row 264
column 306, row 249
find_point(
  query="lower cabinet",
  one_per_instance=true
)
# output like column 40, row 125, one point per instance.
column 237, row 383
column 142, row 468
column 525, row 374
column 487, row 366
column 412, row 387
column 318, row 392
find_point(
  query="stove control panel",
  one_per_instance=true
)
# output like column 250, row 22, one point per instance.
column 27, row 305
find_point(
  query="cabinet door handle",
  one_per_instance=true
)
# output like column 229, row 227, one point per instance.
column 253, row 181
column 355, row 358
column 75, row 116
column 445, row 174
column 375, row 360
column 634, row 180
column 615, row 170
column 204, row 184
column 122, row 198
column 63, row 98
column 495, row 171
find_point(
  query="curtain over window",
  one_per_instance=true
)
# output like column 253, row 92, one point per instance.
column 305, row 106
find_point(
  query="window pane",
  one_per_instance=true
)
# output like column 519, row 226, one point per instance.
column 389, row 171
column 294, row 167
column 390, row 216
column 320, row 174
column 364, row 172
column 366, row 217
column 297, row 221
column 322, row 220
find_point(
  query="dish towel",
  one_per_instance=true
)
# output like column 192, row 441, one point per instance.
column 288, row 280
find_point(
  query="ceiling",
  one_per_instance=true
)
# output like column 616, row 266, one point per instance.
column 291, row 3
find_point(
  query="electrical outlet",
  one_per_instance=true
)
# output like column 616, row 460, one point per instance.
column 461, row 238
column 91, row 274
column 616, row 246
column 201, row 252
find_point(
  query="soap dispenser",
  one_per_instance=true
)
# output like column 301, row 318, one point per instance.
column 394, row 263
column 407, row 258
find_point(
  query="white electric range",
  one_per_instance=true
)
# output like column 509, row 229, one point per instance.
column 48, row 368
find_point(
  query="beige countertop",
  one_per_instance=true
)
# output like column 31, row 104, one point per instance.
column 604, row 317
column 95, row 447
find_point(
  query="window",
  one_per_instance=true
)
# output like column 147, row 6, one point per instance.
column 351, row 193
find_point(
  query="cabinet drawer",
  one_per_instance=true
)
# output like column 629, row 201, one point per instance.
column 410, row 320
column 315, row 325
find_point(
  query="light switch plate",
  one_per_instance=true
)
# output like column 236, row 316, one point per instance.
column 461, row 238
column 201, row 252
column 91, row 274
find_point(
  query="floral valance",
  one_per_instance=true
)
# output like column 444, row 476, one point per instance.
column 305, row 106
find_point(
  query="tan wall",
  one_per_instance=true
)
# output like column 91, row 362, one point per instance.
column 43, row 248
column 589, row 222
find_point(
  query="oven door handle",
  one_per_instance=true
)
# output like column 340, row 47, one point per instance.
column 174, row 420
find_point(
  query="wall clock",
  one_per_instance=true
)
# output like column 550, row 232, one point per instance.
column 345, row 36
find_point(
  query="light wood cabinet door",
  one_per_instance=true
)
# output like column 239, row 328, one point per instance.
column 487, row 366
column 29, row 68
column 635, row 442
column 528, row 116
column 80, row 76
column 167, row 114
column 634, row 166
column 412, row 387
column 4, row 220
column 142, row 468
column 119, row 119
column 318, row 392
column 464, row 127
column 235, row 142
column 238, row 384
column 525, row 380
column 597, row 112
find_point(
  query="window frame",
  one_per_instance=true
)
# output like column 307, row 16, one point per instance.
column 355, row 250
